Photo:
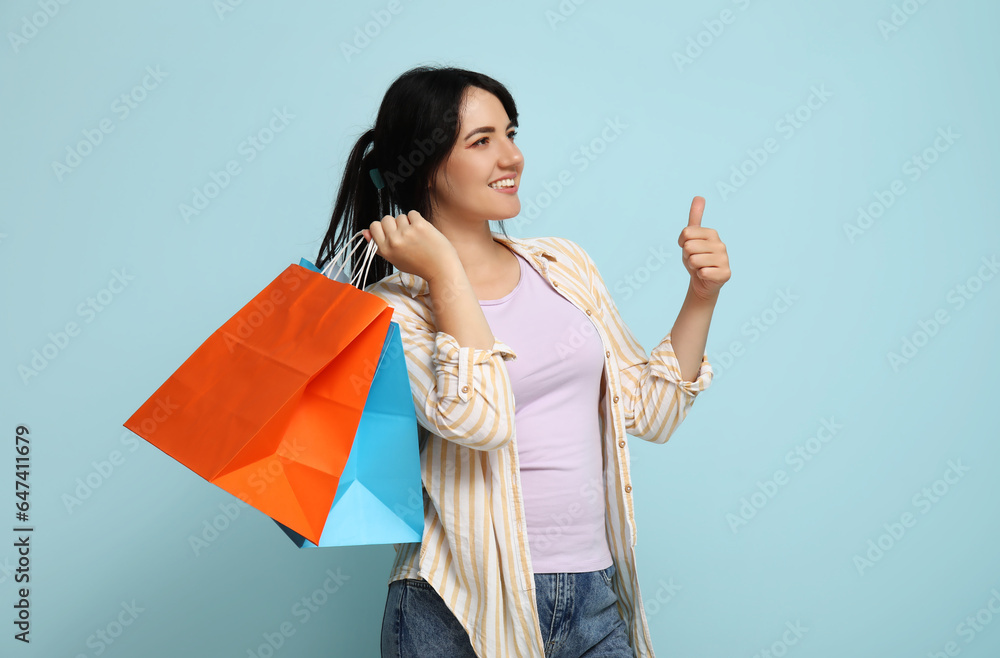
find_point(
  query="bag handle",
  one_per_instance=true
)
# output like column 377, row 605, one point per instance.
column 366, row 262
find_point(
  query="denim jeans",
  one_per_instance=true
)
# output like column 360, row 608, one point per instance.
column 577, row 613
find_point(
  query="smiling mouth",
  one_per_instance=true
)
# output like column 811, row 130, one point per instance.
column 503, row 184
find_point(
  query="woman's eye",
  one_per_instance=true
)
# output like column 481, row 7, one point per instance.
column 483, row 140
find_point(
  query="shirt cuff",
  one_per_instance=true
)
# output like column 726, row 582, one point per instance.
column 457, row 371
column 664, row 361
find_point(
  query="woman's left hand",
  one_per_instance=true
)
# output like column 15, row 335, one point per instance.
column 704, row 255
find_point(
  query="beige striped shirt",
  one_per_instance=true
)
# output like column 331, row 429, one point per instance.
column 475, row 544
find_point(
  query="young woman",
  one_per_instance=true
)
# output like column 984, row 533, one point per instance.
column 525, row 381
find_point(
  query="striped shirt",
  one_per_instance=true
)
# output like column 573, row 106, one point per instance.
column 475, row 544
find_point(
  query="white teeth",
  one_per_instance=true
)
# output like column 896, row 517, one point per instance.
column 506, row 182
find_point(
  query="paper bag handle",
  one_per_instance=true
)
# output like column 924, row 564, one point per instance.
column 366, row 262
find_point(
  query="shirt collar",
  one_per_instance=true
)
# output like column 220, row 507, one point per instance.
column 537, row 256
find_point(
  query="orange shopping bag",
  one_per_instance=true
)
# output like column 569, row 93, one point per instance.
column 267, row 408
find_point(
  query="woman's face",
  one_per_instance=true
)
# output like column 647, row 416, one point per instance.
column 485, row 152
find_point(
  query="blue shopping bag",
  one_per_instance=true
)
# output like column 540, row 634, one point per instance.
column 379, row 499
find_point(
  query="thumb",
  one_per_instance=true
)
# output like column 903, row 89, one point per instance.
column 697, row 208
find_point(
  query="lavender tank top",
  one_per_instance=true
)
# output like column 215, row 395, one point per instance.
column 556, row 381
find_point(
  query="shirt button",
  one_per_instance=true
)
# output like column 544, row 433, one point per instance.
column 628, row 488
column 465, row 389
column 616, row 398
column 608, row 353
column 621, row 444
column 588, row 311
column 555, row 283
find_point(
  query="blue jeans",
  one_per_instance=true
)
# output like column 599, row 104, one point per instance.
column 577, row 613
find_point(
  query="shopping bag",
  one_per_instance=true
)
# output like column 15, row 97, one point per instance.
column 379, row 499
column 268, row 406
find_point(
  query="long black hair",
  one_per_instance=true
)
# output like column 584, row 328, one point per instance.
column 416, row 127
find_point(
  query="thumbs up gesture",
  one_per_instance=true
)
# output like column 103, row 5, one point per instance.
column 704, row 254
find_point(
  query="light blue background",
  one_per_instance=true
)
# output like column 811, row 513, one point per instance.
column 824, row 356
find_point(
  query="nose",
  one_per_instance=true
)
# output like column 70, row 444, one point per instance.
column 511, row 155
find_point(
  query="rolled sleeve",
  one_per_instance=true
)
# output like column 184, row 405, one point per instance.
column 655, row 399
column 456, row 366
column 460, row 394
column 663, row 361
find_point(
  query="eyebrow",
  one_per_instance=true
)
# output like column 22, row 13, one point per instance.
column 487, row 129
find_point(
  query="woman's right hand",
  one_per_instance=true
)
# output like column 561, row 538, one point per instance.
column 413, row 245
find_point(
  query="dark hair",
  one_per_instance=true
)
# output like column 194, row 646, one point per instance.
column 416, row 127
